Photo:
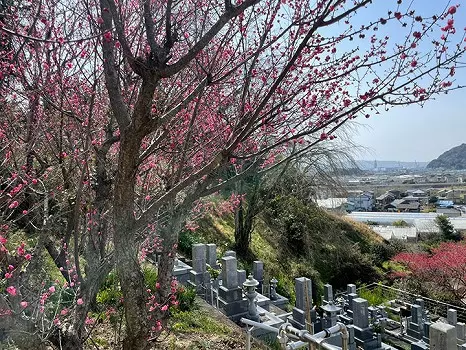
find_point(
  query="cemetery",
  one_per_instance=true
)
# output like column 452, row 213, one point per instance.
column 344, row 320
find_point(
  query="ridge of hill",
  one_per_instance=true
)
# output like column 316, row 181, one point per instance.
column 453, row 159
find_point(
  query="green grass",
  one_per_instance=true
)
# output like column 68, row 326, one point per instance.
column 374, row 296
column 197, row 321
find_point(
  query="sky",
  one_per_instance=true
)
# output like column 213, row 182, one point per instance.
column 416, row 133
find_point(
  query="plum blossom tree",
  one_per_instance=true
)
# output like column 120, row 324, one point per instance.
column 443, row 272
column 121, row 115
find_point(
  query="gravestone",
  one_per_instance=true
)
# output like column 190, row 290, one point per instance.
column 416, row 324
column 461, row 331
column 363, row 333
column 351, row 289
column 230, row 253
column 199, row 257
column 452, row 317
column 230, row 294
column 303, row 305
column 427, row 325
column 241, row 277
column 360, row 313
column 212, row 255
column 328, row 293
column 198, row 276
column 258, row 273
column 229, row 272
column 442, row 336
column 351, row 297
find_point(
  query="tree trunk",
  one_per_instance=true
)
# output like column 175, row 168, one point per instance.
column 127, row 249
column 169, row 235
column 241, row 235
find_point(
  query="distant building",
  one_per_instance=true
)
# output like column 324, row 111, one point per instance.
column 417, row 193
column 383, row 200
column 450, row 212
column 404, row 205
column 391, row 232
column 335, row 204
column 360, row 202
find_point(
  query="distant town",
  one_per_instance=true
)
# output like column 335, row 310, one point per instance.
column 408, row 193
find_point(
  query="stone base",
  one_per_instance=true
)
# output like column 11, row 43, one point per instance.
column 230, row 295
column 414, row 333
column 419, row 346
column 198, row 278
column 263, row 301
column 281, row 302
column 234, row 310
column 363, row 333
column 181, row 272
column 299, row 316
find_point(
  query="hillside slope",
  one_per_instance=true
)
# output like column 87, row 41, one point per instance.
column 293, row 239
column 453, row 159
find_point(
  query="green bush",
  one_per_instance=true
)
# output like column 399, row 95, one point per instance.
column 400, row 223
column 186, row 298
column 382, row 252
column 373, row 296
column 110, row 292
column 186, row 240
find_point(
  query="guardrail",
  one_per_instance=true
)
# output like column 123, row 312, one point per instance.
column 435, row 307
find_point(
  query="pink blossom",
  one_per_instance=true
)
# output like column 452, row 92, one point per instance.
column 24, row 304
column 80, row 301
column 28, row 257
column 164, row 308
column 52, row 289
column 11, row 290
column 452, row 10
column 13, row 205
column 21, row 250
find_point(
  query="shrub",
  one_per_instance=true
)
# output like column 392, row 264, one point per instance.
column 400, row 223
column 110, row 292
column 382, row 252
column 186, row 240
column 374, row 296
column 186, row 298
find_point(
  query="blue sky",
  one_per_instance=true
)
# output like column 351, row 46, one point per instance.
column 414, row 132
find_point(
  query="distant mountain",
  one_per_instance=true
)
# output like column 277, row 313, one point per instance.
column 389, row 164
column 453, row 159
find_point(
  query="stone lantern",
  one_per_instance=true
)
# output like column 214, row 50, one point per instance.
column 249, row 287
column 331, row 312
